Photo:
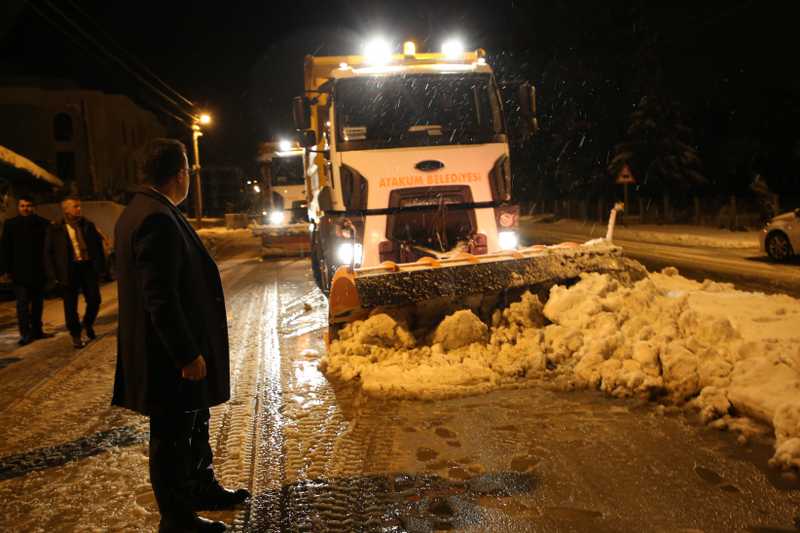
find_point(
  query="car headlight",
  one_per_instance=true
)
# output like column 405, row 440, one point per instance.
column 276, row 218
column 507, row 240
column 348, row 254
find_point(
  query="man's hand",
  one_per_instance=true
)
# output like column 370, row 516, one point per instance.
column 196, row 370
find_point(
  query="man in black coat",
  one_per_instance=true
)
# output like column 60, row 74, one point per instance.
column 23, row 260
column 75, row 259
column 172, row 351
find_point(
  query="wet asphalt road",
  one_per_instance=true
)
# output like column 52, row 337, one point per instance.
column 325, row 458
column 320, row 457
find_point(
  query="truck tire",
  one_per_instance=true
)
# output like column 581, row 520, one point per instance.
column 318, row 263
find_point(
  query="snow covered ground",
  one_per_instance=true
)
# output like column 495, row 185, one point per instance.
column 71, row 461
column 732, row 355
column 682, row 234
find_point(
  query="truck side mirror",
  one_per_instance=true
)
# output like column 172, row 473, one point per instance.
column 301, row 121
column 527, row 107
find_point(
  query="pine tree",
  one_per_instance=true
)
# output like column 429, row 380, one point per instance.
column 658, row 149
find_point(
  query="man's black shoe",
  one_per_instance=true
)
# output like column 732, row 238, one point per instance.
column 217, row 497
column 196, row 524
column 25, row 339
column 43, row 335
column 90, row 333
column 77, row 342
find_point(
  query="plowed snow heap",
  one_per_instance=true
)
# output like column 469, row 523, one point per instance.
column 733, row 355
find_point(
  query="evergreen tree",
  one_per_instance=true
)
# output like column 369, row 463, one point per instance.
column 658, row 149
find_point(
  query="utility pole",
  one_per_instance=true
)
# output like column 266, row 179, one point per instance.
column 205, row 119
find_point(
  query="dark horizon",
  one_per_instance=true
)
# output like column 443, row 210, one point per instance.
column 723, row 64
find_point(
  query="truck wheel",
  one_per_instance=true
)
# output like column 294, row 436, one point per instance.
column 318, row 263
column 778, row 247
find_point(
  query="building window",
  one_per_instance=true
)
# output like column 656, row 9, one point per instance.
column 65, row 166
column 62, row 127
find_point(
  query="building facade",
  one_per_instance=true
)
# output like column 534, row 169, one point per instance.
column 89, row 139
column 223, row 190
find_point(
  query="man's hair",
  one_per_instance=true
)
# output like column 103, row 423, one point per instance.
column 70, row 198
column 25, row 198
column 164, row 158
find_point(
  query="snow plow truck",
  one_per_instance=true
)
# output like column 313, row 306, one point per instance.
column 408, row 180
column 284, row 227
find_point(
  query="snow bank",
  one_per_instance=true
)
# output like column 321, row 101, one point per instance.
column 680, row 234
column 725, row 352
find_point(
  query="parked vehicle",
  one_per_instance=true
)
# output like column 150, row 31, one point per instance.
column 780, row 238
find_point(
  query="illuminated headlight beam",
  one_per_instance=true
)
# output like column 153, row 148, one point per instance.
column 377, row 51
column 276, row 218
column 507, row 240
column 345, row 253
column 453, row 48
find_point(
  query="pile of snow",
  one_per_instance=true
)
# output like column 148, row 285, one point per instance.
column 224, row 244
column 725, row 352
column 679, row 234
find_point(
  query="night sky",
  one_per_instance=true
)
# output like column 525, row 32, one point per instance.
column 731, row 65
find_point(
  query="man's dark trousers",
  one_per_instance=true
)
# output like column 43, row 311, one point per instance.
column 180, row 460
column 30, row 301
column 82, row 278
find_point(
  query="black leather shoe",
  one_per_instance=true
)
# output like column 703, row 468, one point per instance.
column 77, row 342
column 198, row 524
column 217, row 497
column 25, row 339
column 90, row 334
column 43, row 335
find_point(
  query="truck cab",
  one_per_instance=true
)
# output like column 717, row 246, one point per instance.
column 407, row 157
column 283, row 182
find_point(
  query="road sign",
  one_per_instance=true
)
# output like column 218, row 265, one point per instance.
column 625, row 176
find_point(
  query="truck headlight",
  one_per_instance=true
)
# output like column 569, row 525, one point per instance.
column 348, row 254
column 276, row 218
column 453, row 48
column 507, row 240
column 378, row 51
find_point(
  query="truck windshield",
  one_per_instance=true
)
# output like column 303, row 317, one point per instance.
column 287, row 171
column 417, row 110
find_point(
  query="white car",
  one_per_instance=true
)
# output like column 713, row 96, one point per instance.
column 780, row 238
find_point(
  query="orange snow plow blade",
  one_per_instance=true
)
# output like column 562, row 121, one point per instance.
column 284, row 241
column 355, row 293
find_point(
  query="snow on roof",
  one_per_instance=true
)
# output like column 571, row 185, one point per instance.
column 17, row 161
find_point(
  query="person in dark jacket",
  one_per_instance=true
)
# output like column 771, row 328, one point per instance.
column 22, row 259
column 75, row 259
column 172, row 348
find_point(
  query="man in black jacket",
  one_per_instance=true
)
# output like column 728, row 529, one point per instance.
column 75, row 258
column 172, row 351
column 22, row 259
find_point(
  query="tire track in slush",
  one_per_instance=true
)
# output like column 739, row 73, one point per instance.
column 268, row 465
column 315, row 445
column 233, row 423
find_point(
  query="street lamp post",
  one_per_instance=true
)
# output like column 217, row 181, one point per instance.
column 204, row 119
